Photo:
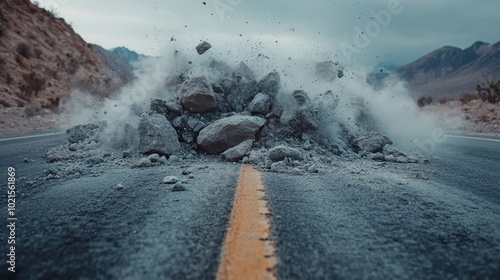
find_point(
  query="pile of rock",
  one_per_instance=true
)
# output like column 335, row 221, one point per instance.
column 235, row 116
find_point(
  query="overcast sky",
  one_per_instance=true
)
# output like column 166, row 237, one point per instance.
column 298, row 27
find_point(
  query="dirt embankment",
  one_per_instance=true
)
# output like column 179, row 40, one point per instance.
column 42, row 60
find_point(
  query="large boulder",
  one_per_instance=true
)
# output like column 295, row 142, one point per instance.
column 261, row 104
column 157, row 135
column 228, row 132
column 270, row 84
column 238, row 152
column 196, row 95
column 281, row 152
column 372, row 142
column 299, row 113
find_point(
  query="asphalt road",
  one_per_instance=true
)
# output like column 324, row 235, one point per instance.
column 359, row 220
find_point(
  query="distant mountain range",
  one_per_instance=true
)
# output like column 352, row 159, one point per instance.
column 127, row 55
column 449, row 72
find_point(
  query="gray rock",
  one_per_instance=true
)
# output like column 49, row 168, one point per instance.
column 58, row 153
column 281, row 152
column 270, row 84
column 299, row 113
column 196, row 95
column 170, row 180
column 240, row 94
column 169, row 108
column 143, row 162
column 296, row 172
column 178, row 187
column 376, row 156
column 401, row 159
column 154, row 157
column 228, row 132
column 256, row 157
column 25, row 160
column 126, row 154
column 195, row 124
column 75, row 147
column 390, row 158
column 373, row 142
column 119, row 187
column 261, row 104
column 94, row 160
column 245, row 160
column 174, row 158
column 279, row 167
column 237, row 152
column 412, row 159
column 203, row 47
column 180, row 122
column 313, row 169
column 81, row 133
column 268, row 164
column 162, row 160
column 390, row 150
column 157, row 135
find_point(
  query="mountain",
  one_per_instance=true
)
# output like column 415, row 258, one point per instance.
column 42, row 60
column 127, row 55
column 449, row 72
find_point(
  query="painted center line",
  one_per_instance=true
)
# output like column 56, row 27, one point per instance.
column 249, row 252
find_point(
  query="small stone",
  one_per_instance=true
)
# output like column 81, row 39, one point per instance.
column 191, row 176
column 376, row 156
column 186, row 172
column 296, row 172
column 390, row 158
column 412, row 159
column 119, row 187
column 170, row 180
column 174, row 158
column 126, row 154
column 401, row 159
column 313, row 169
column 421, row 176
column 178, row 187
column 25, row 160
column 268, row 164
column 162, row 160
column 279, row 167
column 203, row 47
column 245, row 160
column 154, row 157
column 94, row 160
column 143, row 162
column 74, row 147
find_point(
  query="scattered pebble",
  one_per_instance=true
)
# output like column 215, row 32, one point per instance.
column 170, row 180
column 178, row 187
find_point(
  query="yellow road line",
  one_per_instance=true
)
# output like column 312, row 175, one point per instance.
column 248, row 252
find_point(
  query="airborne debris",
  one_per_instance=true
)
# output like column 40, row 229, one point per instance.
column 203, row 47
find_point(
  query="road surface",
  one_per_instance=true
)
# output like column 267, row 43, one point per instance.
column 357, row 220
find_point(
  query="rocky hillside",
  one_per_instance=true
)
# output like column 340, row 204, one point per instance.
column 42, row 59
column 450, row 72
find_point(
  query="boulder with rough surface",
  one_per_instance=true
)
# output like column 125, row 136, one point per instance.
column 299, row 113
column 270, row 84
column 261, row 104
column 281, row 152
column 228, row 132
column 156, row 135
column 373, row 142
column 237, row 152
column 196, row 95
